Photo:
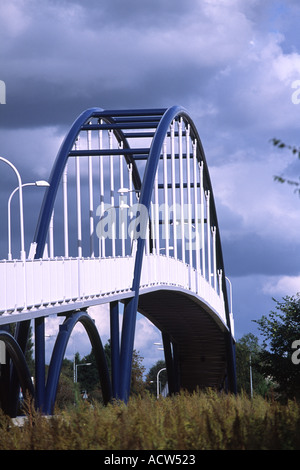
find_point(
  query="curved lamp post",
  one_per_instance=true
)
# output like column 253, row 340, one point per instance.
column 40, row 183
column 157, row 381
column 20, row 203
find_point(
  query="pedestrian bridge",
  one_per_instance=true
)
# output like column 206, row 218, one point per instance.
column 128, row 218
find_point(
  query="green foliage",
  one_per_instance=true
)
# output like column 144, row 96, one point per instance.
column 279, row 330
column 151, row 378
column 280, row 144
column 201, row 421
column 295, row 151
column 88, row 378
column 247, row 347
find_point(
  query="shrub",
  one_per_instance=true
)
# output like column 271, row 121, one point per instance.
column 199, row 421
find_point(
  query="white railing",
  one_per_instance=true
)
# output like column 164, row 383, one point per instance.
column 36, row 283
column 160, row 270
column 33, row 284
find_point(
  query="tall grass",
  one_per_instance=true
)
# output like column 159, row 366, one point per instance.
column 185, row 422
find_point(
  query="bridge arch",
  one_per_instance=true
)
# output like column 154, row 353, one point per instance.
column 59, row 166
column 63, row 337
column 15, row 353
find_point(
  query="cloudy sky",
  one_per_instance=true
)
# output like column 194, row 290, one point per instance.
column 231, row 63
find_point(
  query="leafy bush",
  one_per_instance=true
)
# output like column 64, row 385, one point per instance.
column 204, row 420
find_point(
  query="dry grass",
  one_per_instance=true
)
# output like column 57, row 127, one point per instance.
column 184, row 422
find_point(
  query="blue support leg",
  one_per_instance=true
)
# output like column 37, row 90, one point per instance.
column 128, row 331
column 21, row 337
column 40, row 363
column 115, row 348
column 169, row 359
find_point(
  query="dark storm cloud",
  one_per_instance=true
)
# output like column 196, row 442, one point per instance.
column 253, row 254
column 66, row 56
column 133, row 13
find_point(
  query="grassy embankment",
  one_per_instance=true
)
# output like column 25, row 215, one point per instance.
column 188, row 422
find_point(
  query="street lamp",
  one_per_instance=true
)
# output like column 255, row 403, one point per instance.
column 230, row 290
column 40, row 183
column 20, row 204
column 77, row 365
column 75, row 375
column 157, row 381
column 127, row 190
column 231, row 312
column 251, row 383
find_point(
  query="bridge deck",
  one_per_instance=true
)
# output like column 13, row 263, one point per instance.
column 53, row 286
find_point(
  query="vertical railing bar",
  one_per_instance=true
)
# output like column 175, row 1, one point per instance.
column 91, row 202
column 112, row 195
column 78, row 204
column 173, row 188
column 196, row 205
column 101, row 177
column 181, row 189
column 156, row 215
column 130, row 202
column 207, row 194
column 188, row 169
column 51, row 236
column 213, row 229
column 152, row 218
column 202, row 218
column 121, row 210
column 166, row 204
column 65, row 209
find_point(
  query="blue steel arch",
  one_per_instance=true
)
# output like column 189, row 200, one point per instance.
column 15, row 353
column 44, row 222
column 131, row 307
column 59, row 351
column 59, row 166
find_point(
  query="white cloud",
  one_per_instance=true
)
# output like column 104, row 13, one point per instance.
column 265, row 207
column 13, row 19
column 285, row 285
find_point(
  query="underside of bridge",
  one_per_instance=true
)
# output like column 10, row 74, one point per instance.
column 199, row 342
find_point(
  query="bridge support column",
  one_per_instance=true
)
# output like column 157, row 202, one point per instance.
column 171, row 359
column 115, row 348
column 39, row 362
column 15, row 358
column 21, row 338
column 5, row 379
column 231, row 368
column 127, row 342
